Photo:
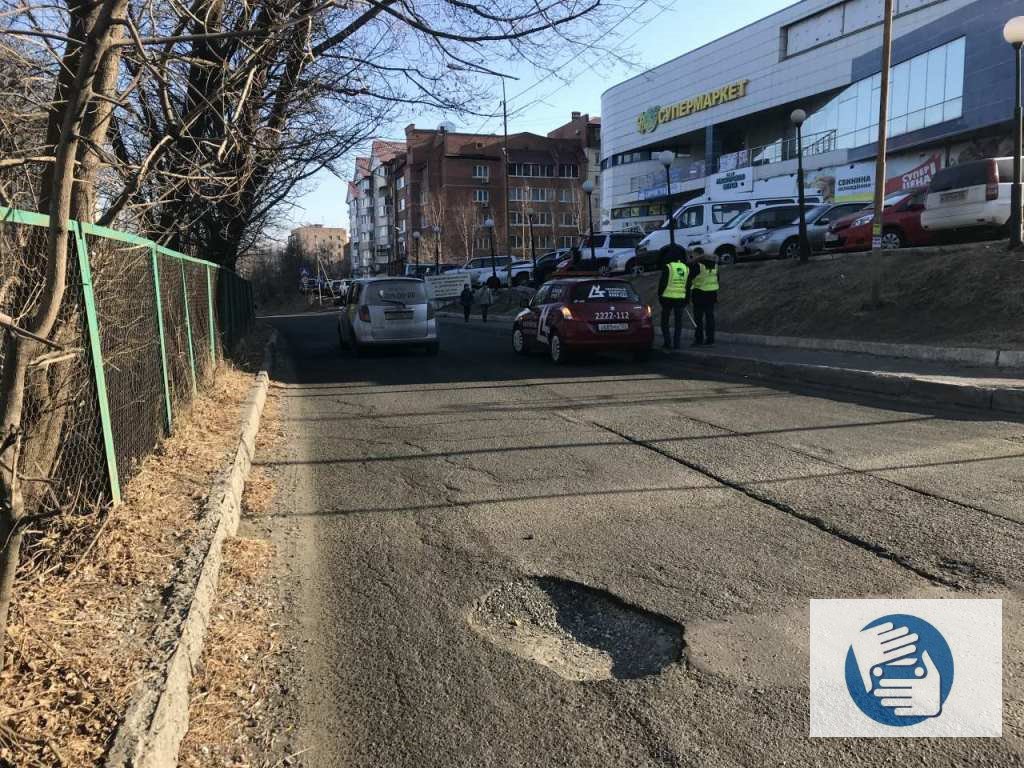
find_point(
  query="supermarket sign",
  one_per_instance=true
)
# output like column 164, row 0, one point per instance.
column 650, row 119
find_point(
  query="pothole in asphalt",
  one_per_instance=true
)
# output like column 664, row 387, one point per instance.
column 578, row 632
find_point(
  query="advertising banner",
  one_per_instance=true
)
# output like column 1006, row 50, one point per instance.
column 856, row 182
column 446, row 286
column 727, row 185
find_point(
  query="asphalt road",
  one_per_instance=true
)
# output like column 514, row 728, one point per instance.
column 412, row 488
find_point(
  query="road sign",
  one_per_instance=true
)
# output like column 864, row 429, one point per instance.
column 446, row 286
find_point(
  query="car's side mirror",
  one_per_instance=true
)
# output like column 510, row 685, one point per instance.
column 524, row 303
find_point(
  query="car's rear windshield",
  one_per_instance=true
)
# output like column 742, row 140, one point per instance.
column 972, row 174
column 605, row 290
column 396, row 291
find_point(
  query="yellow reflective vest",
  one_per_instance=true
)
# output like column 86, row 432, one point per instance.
column 706, row 278
column 676, row 286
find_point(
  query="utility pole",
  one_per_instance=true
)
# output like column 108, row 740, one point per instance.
column 508, row 235
column 883, row 134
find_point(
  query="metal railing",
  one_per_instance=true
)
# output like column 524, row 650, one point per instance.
column 142, row 327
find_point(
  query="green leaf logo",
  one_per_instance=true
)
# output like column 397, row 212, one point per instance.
column 648, row 121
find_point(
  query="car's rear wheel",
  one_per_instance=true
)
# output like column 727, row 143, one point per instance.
column 790, row 249
column 556, row 349
column 727, row 257
column 892, row 239
column 519, row 341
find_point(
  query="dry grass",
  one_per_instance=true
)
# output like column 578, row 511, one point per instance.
column 231, row 714
column 967, row 295
column 81, row 631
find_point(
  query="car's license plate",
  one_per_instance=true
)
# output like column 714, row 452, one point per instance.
column 831, row 237
column 399, row 315
column 613, row 326
column 952, row 197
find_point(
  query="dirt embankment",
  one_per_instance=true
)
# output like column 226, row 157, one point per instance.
column 964, row 295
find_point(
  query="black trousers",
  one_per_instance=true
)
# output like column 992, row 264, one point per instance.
column 466, row 309
column 483, row 311
column 671, row 307
column 704, row 316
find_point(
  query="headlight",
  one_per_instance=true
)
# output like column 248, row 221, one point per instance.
column 760, row 238
column 863, row 220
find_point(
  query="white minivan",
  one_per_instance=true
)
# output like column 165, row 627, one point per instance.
column 699, row 218
column 971, row 195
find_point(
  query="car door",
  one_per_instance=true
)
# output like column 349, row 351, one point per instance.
column 907, row 217
column 531, row 322
column 548, row 308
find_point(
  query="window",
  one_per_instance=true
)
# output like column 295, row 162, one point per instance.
column 541, row 296
column 481, row 244
column 566, row 241
column 568, row 219
column 481, row 196
column 542, row 219
column 536, row 170
column 544, row 195
column 516, row 194
column 515, row 241
column 400, row 184
column 723, row 212
column 481, row 172
column 515, row 218
column 691, row 217
column 624, row 240
column 401, row 204
column 568, row 171
column 545, row 241
column 923, row 91
column 565, row 195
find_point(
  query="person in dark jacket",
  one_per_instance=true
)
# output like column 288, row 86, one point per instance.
column 702, row 287
column 672, row 293
column 466, row 297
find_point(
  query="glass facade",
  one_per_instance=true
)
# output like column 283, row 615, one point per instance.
column 923, row 91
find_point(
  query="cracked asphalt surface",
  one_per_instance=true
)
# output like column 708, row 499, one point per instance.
column 410, row 487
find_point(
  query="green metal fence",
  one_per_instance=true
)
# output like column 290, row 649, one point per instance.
column 141, row 331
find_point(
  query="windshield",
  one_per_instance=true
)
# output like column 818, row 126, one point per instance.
column 896, row 198
column 605, row 290
column 396, row 292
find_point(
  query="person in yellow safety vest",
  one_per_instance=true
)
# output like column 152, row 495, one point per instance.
column 672, row 294
column 703, row 290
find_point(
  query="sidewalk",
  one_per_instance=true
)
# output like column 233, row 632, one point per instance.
column 987, row 388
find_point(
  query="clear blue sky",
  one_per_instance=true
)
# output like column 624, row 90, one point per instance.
column 541, row 104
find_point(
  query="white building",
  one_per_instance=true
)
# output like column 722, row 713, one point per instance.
column 725, row 108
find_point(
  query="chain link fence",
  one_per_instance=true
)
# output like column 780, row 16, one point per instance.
column 141, row 331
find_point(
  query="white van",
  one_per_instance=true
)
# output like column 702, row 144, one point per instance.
column 699, row 218
column 971, row 195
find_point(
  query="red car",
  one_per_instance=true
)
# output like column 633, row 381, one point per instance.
column 581, row 314
column 901, row 225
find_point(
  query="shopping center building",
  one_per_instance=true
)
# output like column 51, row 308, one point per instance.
column 725, row 108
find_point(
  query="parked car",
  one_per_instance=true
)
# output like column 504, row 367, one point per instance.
column 481, row 269
column 387, row 311
column 575, row 315
column 901, row 225
column 970, row 196
column 699, row 218
column 548, row 263
column 728, row 242
column 619, row 248
column 784, row 242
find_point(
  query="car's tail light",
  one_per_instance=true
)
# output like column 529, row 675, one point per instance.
column 567, row 313
column 647, row 311
column 364, row 313
column 992, row 188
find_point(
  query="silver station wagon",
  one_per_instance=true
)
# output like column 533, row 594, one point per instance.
column 387, row 312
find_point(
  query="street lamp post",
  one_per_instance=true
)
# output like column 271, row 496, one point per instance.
column 665, row 158
column 416, row 250
column 588, row 189
column 798, row 117
column 489, row 226
column 437, row 248
column 1013, row 33
column 533, row 251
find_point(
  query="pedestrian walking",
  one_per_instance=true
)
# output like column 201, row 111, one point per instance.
column 484, row 297
column 672, row 294
column 703, row 289
column 466, row 297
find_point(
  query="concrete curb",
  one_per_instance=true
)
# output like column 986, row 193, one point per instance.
column 1001, row 399
column 967, row 356
column 157, row 717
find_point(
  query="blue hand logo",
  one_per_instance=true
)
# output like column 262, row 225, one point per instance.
column 899, row 670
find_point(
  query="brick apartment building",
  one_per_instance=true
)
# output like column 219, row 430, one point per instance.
column 443, row 185
column 317, row 241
